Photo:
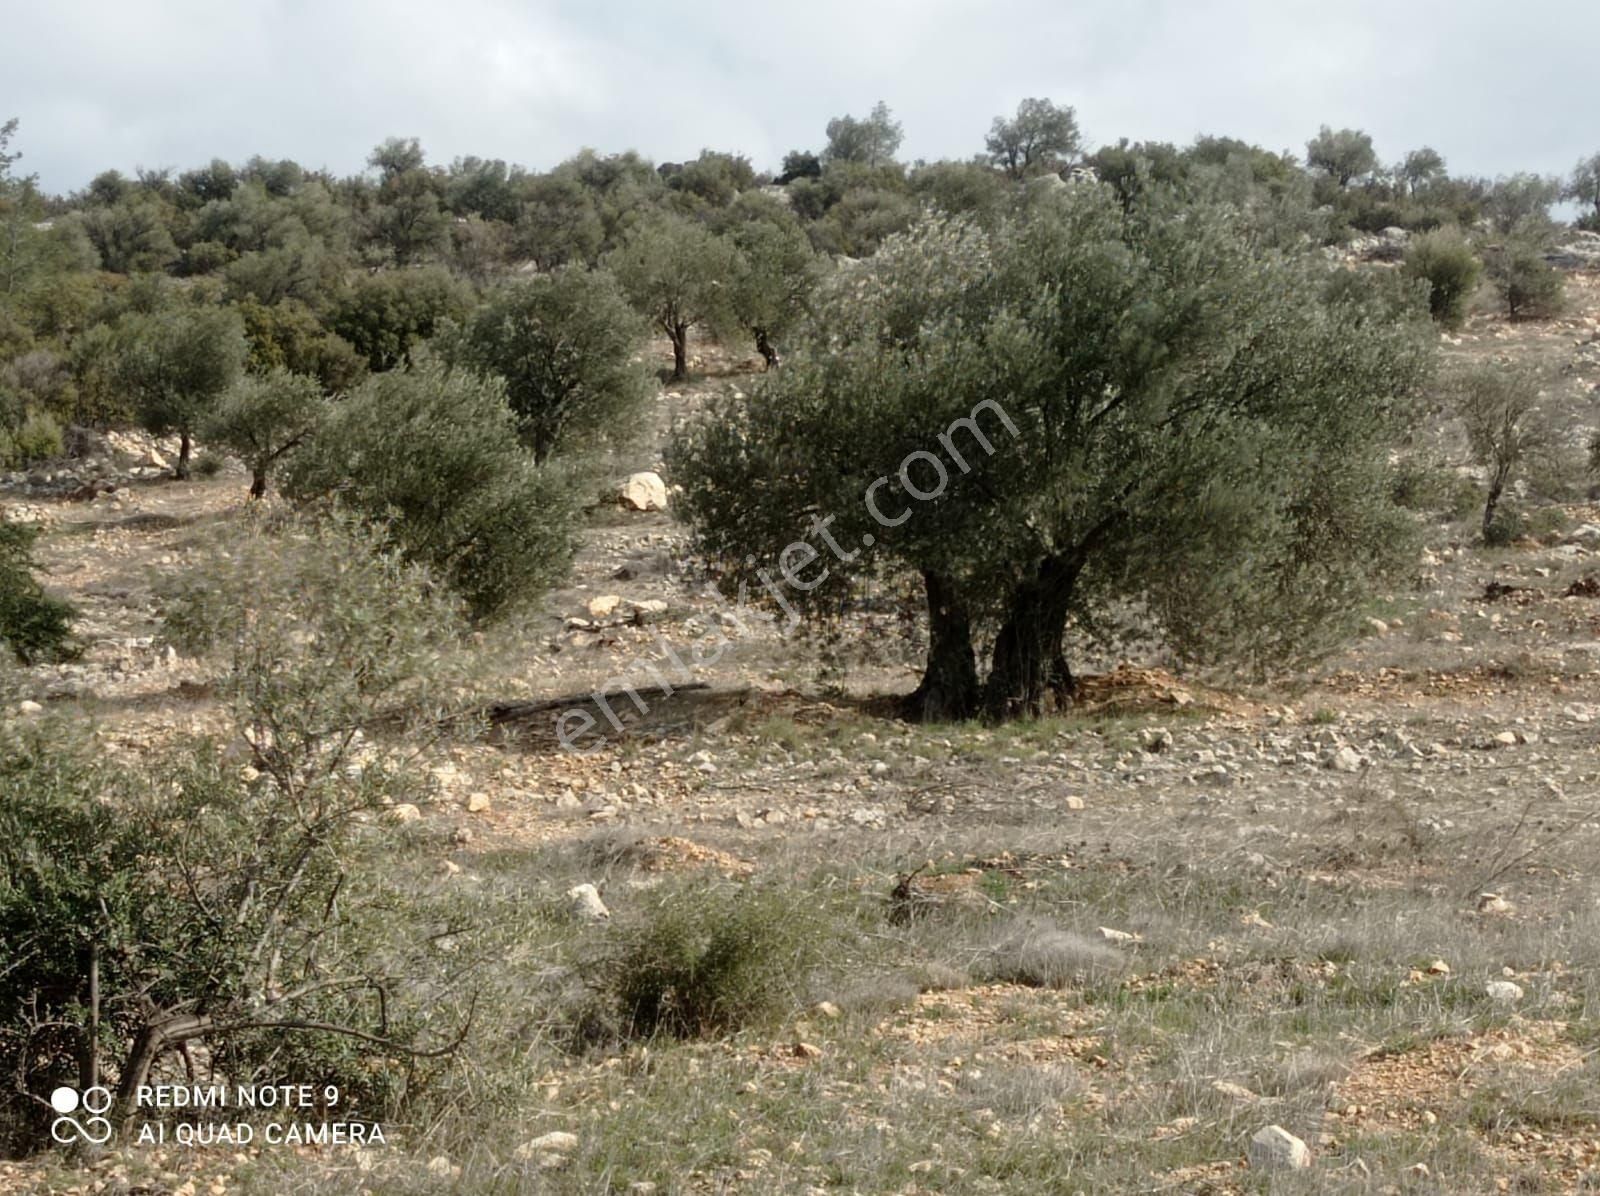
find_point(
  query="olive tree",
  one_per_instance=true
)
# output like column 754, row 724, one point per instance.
column 1041, row 136
column 777, row 271
column 871, row 141
column 1419, row 168
column 1089, row 411
column 434, row 455
column 1497, row 406
column 566, row 345
column 262, row 418
column 1529, row 286
column 1343, row 155
column 1520, row 205
column 679, row 274
column 177, row 361
column 1583, row 187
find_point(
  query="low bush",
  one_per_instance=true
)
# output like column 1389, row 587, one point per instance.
column 1445, row 261
column 708, row 962
column 1529, row 286
column 434, row 455
column 37, row 438
column 251, row 895
column 33, row 624
column 1042, row 955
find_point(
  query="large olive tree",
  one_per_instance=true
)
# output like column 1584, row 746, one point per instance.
column 1090, row 410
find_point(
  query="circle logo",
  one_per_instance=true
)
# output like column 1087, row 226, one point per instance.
column 94, row 1128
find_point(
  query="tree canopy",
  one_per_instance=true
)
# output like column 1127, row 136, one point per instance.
column 1090, row 413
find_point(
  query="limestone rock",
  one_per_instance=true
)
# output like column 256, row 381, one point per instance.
column 1345, row 759
column 644, row 492
column 1503, row 992
column 585, row 903
column 1275, row 1149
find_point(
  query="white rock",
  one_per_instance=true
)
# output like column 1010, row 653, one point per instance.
column 585, row 904
column 644, row 492
column 1346, row 759
column 30, row 707
column 405, row 812
column 1503, row 992
column 647, row 610
column 1117, row 936
column 604, row 606
column 477, row 803
column 1234, row 1091
column 1276, row 1149
column 555, row 1142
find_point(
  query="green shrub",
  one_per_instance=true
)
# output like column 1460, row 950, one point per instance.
column 709, row 962
column 435, row 454
column 252, row 898
column 39, row 438
column 1505, row 526
column 1445, row 261
column 208, row 465
column 34, row 625
column 1529, row 286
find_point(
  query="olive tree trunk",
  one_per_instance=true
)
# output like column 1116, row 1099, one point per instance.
column 949, row 688
column 1028, row 673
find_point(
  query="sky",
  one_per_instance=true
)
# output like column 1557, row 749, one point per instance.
column 123, row 84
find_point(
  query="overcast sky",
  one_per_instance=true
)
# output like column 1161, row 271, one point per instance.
column 1495, row 86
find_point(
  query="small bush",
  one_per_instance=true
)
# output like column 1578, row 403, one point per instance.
column 1529, row 286
column 252, row 896
column 1504, row 527
column 1498, row 406
column 1445, row 261
column 434, row 454
column 38, row 438
column 1041, row 955
column 705, row 963
column 208, row 465
column 34, row 625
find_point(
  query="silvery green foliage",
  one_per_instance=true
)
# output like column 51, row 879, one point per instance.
column 1201, row 433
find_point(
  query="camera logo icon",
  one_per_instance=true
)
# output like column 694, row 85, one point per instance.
column 93, row 1101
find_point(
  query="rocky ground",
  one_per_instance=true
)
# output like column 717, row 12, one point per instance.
column 1361, row 905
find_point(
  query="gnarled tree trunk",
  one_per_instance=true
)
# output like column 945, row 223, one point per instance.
column 1028, row 675
column 949, row 688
